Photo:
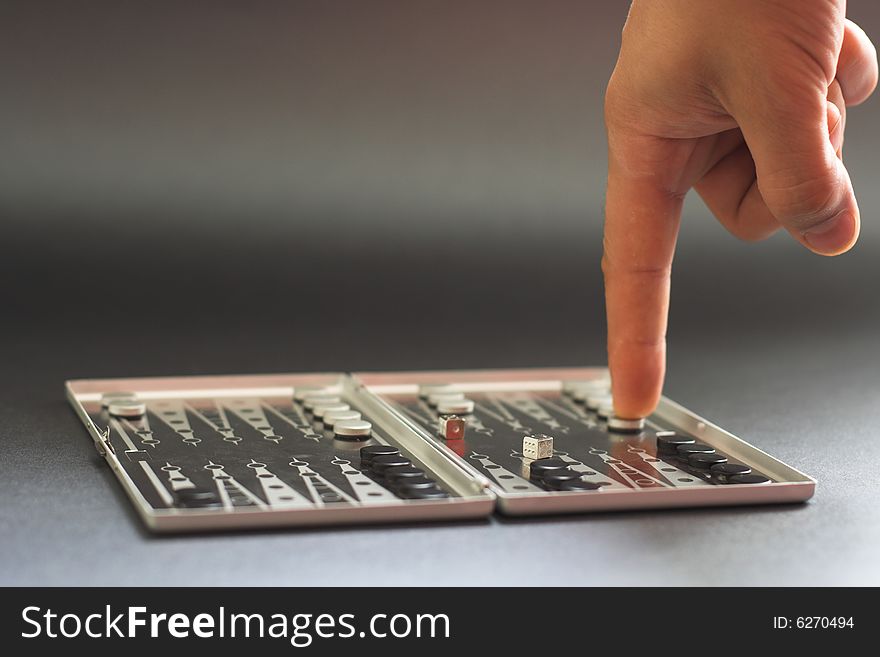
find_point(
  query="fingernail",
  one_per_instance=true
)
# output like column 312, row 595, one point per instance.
column 836, row 136
column 834, row 235
column 835, row 127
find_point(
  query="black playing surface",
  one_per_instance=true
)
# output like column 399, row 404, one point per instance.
column 582, row 444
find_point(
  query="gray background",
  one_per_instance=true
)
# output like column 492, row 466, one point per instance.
column 264, row 187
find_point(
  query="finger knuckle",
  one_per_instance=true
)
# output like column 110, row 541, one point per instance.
column 614, row 102
column 616, row 268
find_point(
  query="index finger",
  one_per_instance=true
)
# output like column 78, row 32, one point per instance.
column 642, row 216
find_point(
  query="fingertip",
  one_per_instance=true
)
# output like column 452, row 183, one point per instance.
column 637, row 380
column 632, row 409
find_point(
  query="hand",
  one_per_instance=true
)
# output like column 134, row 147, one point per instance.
column 745, row 101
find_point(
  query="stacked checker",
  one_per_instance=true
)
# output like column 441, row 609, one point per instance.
column 123, row 404
column 388, row 466
column 704, row 460
column 335, row 414
column 556, row 474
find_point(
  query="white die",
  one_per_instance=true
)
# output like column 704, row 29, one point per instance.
column 537, row 446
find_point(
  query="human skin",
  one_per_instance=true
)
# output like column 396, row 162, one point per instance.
column 745, row 102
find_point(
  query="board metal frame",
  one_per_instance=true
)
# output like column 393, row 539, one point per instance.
column 472, row 499
column 788, row 486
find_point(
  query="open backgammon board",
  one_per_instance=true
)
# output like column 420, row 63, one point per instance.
column 198, row 453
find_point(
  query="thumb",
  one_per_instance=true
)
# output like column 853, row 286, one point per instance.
column 801, row 179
